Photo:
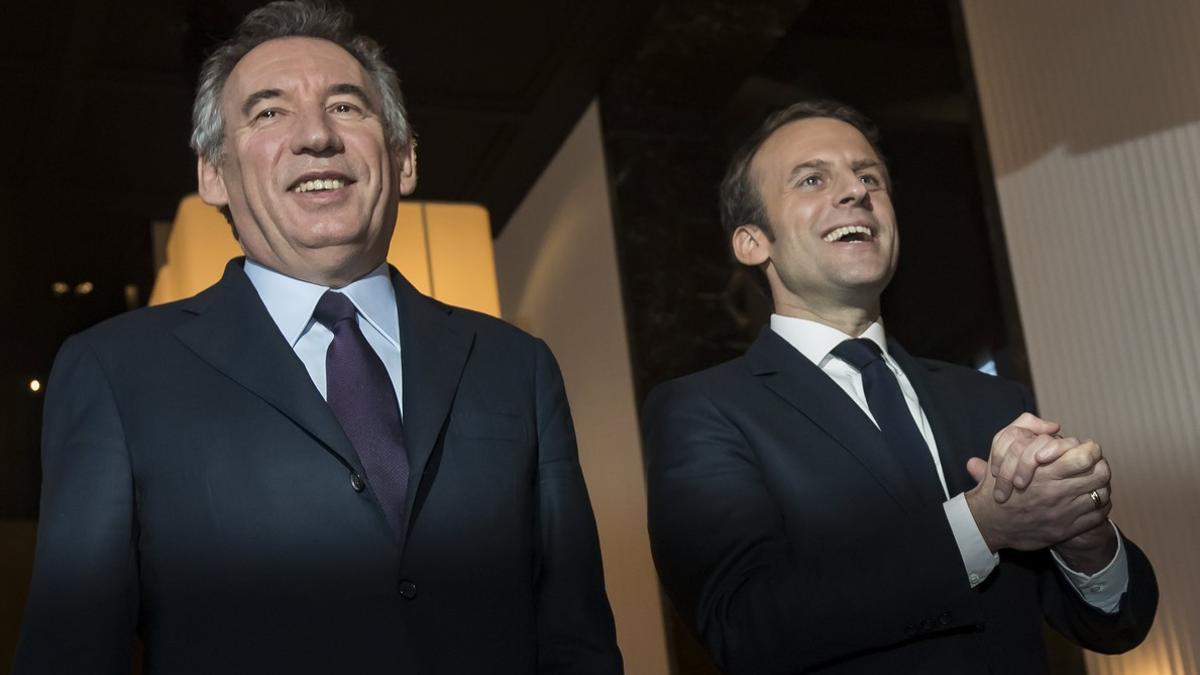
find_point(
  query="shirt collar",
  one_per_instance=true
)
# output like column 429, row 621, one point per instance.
column 815, row 340
column 291, row 301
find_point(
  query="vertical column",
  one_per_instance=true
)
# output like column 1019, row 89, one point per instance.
column 556, row 263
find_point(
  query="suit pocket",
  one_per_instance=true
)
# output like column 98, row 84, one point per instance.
column 488, row 425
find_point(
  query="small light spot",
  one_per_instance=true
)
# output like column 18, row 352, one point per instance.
column 84, row 288
column 132, row 296
column 60, row 288
column 35, row 386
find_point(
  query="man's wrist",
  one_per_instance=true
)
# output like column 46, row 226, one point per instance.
column 1103, row 589
column 1090, row 559
column 982, row 508
column 978, row 560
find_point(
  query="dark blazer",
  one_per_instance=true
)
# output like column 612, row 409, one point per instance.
column 198, row 490
column 786, row 536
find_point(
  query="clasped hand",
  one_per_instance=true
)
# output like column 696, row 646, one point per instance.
column 1036, row 491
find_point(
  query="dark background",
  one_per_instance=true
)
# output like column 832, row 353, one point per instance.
column 97, row 122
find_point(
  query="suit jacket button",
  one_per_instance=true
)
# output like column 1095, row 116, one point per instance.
column 408, row 590
column 357, row 482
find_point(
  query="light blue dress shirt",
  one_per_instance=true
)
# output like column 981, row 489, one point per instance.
column 291, row 302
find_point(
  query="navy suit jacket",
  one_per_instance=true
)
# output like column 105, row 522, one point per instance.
column 787, row 536
column 197, row 490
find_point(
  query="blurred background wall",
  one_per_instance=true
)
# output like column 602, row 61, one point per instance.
column 557, row 265
column 1092, row 112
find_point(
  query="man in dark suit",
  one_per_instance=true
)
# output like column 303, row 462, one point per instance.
column 310, row 467
column 822, row 503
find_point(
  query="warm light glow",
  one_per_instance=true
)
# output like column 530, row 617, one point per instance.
column 132, row 294
column 84, row 288
column 444, row 250
column 35, row 386
column 460, row 255
column 60, row 288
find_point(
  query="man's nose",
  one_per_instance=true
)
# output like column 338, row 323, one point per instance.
column 316, row 134
column 852, row 192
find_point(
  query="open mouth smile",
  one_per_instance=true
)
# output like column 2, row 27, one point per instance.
column 850, row 234
column 316, row 185
column 319, row 183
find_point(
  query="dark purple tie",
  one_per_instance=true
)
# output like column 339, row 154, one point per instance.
column 891, row 413
column 363, row 399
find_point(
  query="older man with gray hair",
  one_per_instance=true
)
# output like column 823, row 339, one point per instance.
column 311, row 467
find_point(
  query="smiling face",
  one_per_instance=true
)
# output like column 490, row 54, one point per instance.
column 825, row 194
column 307, row 174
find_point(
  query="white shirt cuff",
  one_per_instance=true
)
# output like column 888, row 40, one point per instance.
column 978, row 559
column 1102, row 590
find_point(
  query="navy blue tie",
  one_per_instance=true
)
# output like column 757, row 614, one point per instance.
column 363, row 400
column 891, row 413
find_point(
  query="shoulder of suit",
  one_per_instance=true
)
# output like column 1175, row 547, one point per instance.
column 969, row 378
column 138, row 322
column 130, row 338
column 952, row 369
column 484, row 325
column 711, row 382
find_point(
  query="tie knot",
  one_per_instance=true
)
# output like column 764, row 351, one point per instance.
column 333, row 308
column 859, row 352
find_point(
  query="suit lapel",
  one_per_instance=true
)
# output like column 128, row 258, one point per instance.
column 234, row 333
column 947, row 416
column 433, row 350
column 805, row 387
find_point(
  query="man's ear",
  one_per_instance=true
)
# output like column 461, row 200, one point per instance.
column 211, row 184
column 407, row 164
column 750, row 245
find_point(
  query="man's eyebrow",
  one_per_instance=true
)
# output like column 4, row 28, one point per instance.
column 861, row 164
column 260, row 95
column 352, row 90
column 810, row 164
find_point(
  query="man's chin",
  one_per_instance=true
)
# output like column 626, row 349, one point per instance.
column 864, row 282
column 329, row 266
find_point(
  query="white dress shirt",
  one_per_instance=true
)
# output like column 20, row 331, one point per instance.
column 291, row 303
column 816, row 341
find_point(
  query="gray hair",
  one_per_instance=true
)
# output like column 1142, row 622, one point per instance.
column 283, row 19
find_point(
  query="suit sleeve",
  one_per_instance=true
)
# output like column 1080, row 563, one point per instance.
column 575, row 625
column 1092, row 628
column 82, row 608
column 760, row 603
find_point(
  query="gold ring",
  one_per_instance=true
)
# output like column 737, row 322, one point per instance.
column 1096, row 499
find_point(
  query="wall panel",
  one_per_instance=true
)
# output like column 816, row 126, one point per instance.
column 556, row 264
column 1092, row 116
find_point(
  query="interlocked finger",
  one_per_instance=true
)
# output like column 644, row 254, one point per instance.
column 1083, row 459
column 1007, row 441
column 1009, row 474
